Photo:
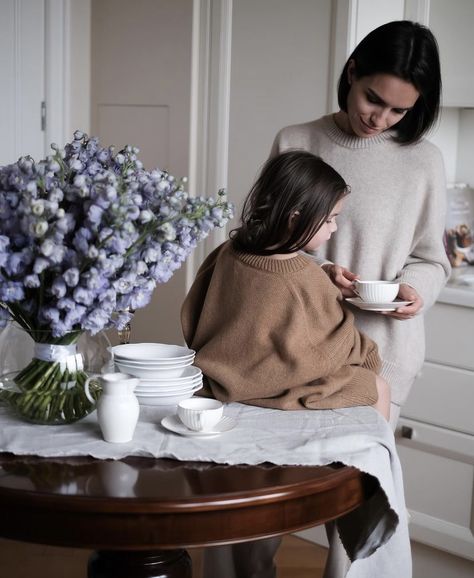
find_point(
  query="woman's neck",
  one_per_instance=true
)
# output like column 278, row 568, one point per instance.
column 342, row 121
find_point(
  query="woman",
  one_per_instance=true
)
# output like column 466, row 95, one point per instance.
column 392, row 227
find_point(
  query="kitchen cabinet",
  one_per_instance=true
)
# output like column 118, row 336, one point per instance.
column 452, row 22
column 435, row 435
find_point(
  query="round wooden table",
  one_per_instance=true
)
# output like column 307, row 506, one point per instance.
column 140, row 514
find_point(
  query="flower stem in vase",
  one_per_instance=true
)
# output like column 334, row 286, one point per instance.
column 50, row 389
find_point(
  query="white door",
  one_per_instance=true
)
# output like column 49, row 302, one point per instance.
column 141, row 86
column 22, row 74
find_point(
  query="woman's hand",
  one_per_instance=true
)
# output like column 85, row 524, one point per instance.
column 407, row 293
column 342, row 278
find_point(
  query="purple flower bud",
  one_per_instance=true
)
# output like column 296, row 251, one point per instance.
column 71, row 277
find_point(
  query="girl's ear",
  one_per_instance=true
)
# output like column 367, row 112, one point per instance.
column 351, row 71
column 294, row 215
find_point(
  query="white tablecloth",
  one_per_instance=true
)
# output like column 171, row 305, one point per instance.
column 375, row 535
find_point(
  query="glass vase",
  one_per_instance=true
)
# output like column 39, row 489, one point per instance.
column 42, row 379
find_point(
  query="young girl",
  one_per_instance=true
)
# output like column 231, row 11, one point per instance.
column 265, row 320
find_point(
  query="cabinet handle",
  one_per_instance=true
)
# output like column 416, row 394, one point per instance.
column 406, row 432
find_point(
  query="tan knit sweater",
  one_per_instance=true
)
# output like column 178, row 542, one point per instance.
column 273, row 333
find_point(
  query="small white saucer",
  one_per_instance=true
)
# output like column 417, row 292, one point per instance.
column 368, row 306
column 174, row 424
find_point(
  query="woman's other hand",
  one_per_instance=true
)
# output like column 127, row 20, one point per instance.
column 407, row 293
column 342, row 278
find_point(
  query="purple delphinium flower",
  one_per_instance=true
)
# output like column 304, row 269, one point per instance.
column 81, row 240
column 58, row 288
column 93, row 232
column 95, row 214
column 83, row 296
column 32, row 281
column 11, row 291
column 71, row 277
column 40, row 265
column 96, row 320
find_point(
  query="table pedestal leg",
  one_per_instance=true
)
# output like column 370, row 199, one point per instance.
column 139, row 564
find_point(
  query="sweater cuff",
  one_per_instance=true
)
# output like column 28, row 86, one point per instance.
column 428, row 287
column 373, row 361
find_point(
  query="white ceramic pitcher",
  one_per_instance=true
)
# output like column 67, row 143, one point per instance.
column 117, row 408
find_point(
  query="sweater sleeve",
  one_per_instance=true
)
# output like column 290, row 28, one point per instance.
column 194, row 302
column 296, row 137
column 427, row 267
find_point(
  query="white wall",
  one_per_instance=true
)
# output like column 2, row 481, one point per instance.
column 454, row 135
column 445, row 136
column 79, row 106
column 465, row 164
column 279, row 76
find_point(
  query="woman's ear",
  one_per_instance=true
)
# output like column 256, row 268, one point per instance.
column 351, row 71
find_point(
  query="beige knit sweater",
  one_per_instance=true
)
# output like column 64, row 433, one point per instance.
column 273, row 333
column 391, row 227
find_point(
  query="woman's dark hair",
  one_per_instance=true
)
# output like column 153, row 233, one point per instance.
column 409, row 51
column 294, row 187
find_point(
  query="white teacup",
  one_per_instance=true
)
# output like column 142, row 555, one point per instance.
column 376, row 291
column 199, row 413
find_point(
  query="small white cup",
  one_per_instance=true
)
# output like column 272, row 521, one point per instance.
column 199, row 413
column 376, row 291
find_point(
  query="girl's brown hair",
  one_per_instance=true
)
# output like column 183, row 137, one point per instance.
column 294, row 187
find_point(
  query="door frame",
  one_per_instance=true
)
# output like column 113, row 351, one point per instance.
column 57, row 70
column 209, row 102
column 210, row 105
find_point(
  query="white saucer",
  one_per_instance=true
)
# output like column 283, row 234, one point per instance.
column 174, row 424
column 389, row 306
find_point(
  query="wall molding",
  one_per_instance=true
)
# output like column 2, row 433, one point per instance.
column 17, row 116
column 57, row 70
column 418, row 11
column 210, row 104
column 22, row 33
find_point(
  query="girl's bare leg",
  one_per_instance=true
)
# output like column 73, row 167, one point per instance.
column 383, row 402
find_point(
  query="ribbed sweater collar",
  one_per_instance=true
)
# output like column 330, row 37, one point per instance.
column 273, row 265
column 351, row 141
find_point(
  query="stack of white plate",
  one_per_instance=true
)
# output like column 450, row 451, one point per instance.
column 166, row 373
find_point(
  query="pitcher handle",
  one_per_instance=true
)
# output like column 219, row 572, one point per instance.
column 86, row 387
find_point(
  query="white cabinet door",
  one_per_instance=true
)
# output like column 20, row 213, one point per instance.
column 438, row 469
column 452, row 22
column 22, row 73
column 449, row 335
column 443, row 396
